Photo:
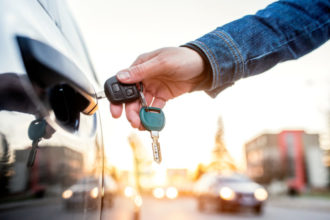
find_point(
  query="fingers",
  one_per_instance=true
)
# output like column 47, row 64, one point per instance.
column 139, row 72
column 116, row 110
column 133, row 110
column 132, row 114
column 158, row 103
column 144, row 68
column 145, row 57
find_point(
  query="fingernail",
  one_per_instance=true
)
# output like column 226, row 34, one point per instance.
column 123, row 75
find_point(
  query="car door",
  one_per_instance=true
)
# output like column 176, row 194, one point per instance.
column 47, row 87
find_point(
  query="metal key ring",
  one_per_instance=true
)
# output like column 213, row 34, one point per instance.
column 142, row 97
column 141, row 86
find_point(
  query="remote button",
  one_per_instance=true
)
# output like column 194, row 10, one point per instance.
column 129, row 92
column 115, row 87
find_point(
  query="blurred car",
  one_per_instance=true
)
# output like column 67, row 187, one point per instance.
column 229, row 192
column 165, row 192
column 86, row 190
column 46, row 78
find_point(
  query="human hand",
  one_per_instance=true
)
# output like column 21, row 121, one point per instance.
column 166, row 73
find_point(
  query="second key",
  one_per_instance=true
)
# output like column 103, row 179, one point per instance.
column 153, row 119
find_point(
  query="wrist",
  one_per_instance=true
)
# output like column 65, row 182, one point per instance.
column 203, row 80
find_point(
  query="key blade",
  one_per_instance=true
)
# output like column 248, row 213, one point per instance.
column 100, row 95
column 143, row 100
column 156, row 147
column 156, row 152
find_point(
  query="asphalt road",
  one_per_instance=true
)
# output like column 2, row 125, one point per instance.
column 179, row 209
column 186, row 209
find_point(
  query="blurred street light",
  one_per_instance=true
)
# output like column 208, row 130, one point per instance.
column 158, row 193
column 171, row 193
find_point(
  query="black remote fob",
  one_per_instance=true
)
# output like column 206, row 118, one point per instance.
column 118, row 93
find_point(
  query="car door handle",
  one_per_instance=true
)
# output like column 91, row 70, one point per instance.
column 48, row 68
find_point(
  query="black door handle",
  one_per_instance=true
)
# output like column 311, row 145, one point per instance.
column 48, row 67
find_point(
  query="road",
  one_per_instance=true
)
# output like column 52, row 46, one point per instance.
column 179, row 209
column 185, row 209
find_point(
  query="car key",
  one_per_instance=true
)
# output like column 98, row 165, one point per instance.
column 117, row 92
column 153, row 119
column 36, row 131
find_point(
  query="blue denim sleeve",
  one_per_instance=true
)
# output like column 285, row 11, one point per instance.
column 284, row 30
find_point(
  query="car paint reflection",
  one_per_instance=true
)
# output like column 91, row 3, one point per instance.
column 61, row 160
column 83, row 191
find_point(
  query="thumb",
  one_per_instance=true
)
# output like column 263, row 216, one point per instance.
column 139, row 72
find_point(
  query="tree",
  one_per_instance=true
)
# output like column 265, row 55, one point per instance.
column 221, row 159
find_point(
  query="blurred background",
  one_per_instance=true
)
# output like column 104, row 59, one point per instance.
column 273, row 128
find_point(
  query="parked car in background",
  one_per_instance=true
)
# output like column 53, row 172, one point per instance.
column 47, row 89
column 84, row 192
column 229, row 192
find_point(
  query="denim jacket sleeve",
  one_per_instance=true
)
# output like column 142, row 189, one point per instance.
column 284, row 30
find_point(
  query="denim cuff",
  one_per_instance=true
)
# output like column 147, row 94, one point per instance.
column 224, row 58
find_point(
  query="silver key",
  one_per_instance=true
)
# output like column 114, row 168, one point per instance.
column 156, row 146
column 154, row 134
column 100, row 95
column 143, row 100
column 142, row 97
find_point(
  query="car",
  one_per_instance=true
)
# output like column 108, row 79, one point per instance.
column 230, row 191
column 50, row 129
column 170, row 192
column 86, row 190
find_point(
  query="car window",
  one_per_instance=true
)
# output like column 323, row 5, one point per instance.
column 59, row 13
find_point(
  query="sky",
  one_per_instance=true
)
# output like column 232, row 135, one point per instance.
column 293, row 95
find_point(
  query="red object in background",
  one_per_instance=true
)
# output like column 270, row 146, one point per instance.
column 292, row 157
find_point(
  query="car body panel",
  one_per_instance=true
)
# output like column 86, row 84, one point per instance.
column 64, row 156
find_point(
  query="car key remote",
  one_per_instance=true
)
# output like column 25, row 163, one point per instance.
column 118, row 93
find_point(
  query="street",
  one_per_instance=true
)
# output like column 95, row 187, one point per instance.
column 185, row 208
column 178, row 209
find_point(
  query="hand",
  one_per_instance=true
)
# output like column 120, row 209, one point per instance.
column 165, row 73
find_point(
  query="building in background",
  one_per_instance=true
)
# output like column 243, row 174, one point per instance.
column 292, row 157
column 54, row 166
